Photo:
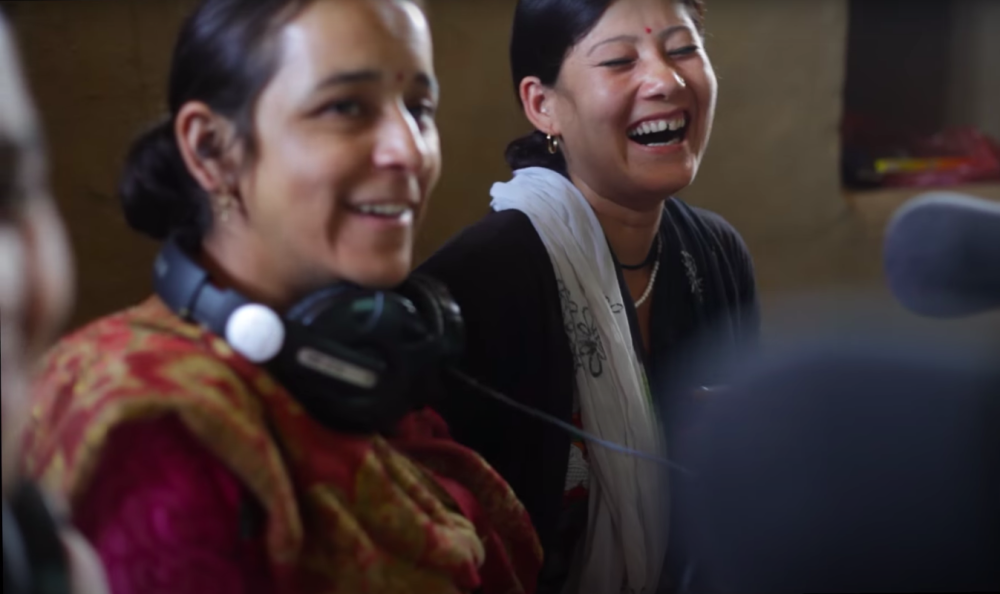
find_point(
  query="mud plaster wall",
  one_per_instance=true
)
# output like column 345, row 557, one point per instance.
column 97, row 69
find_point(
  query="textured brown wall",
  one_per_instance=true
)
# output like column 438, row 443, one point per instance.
column 975, row 86
column 772, row 167
column 97, row 69
column 479, row 113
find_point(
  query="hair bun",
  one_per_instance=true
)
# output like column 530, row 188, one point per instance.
column 157, row 192
column 533, row 151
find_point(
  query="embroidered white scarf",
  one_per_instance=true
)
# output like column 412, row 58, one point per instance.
column 626, row 537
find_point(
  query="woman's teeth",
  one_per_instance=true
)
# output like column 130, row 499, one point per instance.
column 383, row 210
column 658, row 126
column 666, row 131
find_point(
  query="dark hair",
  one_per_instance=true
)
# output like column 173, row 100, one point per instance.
column 8, row 175
column 20, row 141
column 19, row 161
column 544, row 32
column 224, row 57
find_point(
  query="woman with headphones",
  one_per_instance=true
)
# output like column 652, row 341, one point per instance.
column 258, row 425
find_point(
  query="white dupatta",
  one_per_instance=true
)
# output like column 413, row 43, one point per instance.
column 626, row 538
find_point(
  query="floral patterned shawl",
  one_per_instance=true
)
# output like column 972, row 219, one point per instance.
column 412, row 513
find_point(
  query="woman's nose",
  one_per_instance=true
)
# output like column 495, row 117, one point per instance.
column 662, row 80
column 400, row 143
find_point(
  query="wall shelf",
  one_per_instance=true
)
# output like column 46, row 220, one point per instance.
column 875, row 207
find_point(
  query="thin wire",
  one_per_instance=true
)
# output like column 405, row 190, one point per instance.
column 572, row 430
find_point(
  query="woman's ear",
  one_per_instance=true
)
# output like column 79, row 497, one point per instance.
column 206, row 140
column 539, row 105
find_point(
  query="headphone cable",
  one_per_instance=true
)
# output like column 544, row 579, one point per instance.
column 567, row 427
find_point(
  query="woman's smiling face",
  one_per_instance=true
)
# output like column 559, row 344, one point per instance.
column 635, row 101
column 347, row 147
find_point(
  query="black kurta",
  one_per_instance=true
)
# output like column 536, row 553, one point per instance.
column 499, row 272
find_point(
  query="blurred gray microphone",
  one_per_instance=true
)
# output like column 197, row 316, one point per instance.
column 942, row 255
column 845, row 465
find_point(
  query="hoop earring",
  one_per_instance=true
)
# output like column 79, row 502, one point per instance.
column 553, row 144
column 223, row 205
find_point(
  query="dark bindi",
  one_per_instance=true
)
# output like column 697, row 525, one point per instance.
column 400, row 76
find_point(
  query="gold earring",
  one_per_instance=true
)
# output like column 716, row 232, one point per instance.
column 553, row 143
column 223, row 205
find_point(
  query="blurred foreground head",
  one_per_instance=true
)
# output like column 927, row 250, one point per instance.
column 35, row 296
column 35, row 270
column 850, row 465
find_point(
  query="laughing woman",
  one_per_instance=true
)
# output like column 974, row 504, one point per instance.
column 588, row 286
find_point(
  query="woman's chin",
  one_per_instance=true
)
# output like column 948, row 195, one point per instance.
column 380, row 273
column 670, row 179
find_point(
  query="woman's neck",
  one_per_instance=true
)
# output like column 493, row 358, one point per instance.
column 235, row 264
column 629, row 232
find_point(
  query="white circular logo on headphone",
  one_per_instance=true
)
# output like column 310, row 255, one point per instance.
column 255, row 332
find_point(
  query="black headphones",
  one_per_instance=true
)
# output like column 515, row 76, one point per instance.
column 356, row 359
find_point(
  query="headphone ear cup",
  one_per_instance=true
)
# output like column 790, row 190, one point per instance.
column 358, row 360
column 441, row 313
column 306, row 310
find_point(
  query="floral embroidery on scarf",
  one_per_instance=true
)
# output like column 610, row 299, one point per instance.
column 692, row 274
column 584, row 336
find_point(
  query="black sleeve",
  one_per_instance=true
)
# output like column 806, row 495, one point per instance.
column 746, row 282
column 500, row 275
column 745, row 305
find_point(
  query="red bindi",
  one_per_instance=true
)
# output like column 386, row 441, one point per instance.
column 648, row 30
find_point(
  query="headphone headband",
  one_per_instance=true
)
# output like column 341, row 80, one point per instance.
column 253, row 330
column 187, row 289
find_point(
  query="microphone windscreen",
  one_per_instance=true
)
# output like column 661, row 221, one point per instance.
column 942, row 255
column 848, row 467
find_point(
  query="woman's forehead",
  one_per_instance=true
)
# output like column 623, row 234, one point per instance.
column 637, row 17
column 355, row 32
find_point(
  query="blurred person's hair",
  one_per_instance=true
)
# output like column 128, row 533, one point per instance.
column 20, row 150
